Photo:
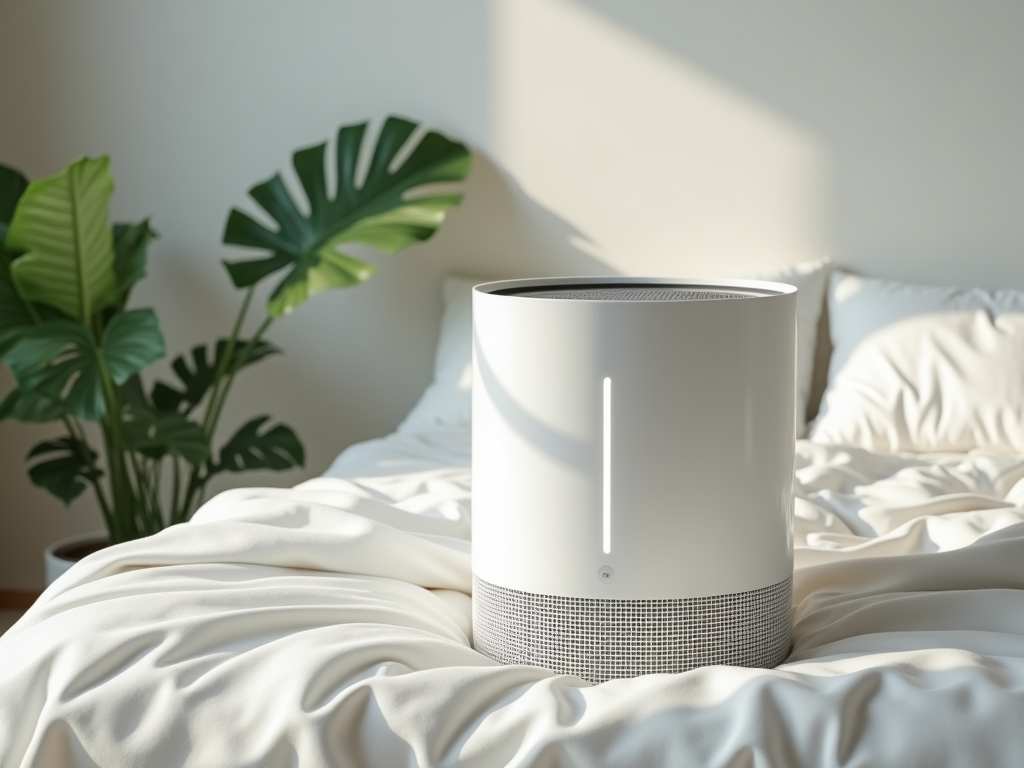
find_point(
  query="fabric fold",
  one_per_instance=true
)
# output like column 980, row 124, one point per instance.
column 329, row 625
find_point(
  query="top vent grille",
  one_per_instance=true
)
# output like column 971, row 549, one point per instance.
column 630, row 293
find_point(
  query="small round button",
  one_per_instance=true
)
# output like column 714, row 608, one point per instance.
column 606, row 574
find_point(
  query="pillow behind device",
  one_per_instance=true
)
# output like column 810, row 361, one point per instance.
column 447, row 402
column 921, row 368
column 810, row 278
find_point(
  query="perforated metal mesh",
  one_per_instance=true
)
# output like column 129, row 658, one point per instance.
column 632, row 293
column 599, row 639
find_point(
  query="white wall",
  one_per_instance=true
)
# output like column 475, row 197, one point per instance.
column 614, row 136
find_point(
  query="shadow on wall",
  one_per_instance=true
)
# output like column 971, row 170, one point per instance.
column 914, row 102
column 668, row 168
column 501, row 231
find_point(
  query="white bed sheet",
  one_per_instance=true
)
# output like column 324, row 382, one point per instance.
column 328, row 625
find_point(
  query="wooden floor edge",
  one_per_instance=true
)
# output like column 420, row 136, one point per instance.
column 18, row 598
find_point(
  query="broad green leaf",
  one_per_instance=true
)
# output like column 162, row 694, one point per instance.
column 131, row 341
column 12, row 187
column 277, row 448
column 59, row 360
column 61, row 223
column 15, row 318
column 14, row 315
column 198, row 378
column 65, row 475
column 130, row 244
column 30, row 406
column 157, row 434
column 389, row 211
column 333, row 270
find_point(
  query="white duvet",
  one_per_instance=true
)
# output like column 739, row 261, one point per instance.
column 328, row 625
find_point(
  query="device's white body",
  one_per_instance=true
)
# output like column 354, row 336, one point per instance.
column 633, row 475
column 701, row 441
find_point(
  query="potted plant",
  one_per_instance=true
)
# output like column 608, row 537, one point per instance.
column 77, row 347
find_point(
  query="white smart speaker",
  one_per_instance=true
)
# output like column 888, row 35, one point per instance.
column 633, row 452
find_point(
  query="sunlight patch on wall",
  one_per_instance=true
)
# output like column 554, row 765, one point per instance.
column 663, row 168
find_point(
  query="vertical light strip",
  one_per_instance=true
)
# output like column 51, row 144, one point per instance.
column 607, row 485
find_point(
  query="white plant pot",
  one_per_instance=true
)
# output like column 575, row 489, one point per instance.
column 62, row 554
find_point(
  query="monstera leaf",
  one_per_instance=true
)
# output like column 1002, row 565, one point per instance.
column 197, row 379
column 156, row 434
column 388, row 211
column 64, row 475
column 62, row 225
column 277, row 448
column 59, row 362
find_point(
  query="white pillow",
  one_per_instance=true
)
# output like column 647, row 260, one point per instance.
column 809, row 277
column 447, row 401
column 920, row 368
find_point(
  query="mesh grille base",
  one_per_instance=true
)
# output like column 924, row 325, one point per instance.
column 599, row 639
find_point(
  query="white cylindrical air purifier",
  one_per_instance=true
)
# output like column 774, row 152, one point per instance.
column 633, row 455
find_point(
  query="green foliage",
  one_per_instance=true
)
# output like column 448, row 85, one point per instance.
column 131, row 242
column 12, row 187
column 131, row 341
column 389, row 211
column 59, row 359
column 15, row 317
column 77, row 352
column 157, row 434
column 64, row 476
column 31, row 407
column 276, row 448
column 197, row 380
column 61, row 224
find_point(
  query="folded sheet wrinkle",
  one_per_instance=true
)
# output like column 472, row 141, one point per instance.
column 329, row 625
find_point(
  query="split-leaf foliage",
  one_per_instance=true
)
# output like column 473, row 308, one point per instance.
column 78, row 351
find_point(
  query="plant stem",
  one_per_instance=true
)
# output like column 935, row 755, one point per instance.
column 87, row 454
column 196, row 482
column 242, row 359
column 33, row 312
column 210, row 419
column 155, row 475
column 147, row 507
column 124, row 527
column 175, row 488
column 139, row 508
column 124, row 496
column 218, row 407
column 118, row 532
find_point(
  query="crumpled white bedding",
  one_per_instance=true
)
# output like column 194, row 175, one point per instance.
column 328, row 625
